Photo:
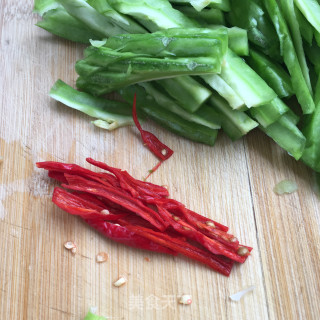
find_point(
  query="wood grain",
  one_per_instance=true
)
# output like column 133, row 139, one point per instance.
column 231, row 183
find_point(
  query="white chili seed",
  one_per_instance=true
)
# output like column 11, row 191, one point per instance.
column 242, row 251
column 101, row 257
column 185, row 299
column 120, row 282
column 69, row 245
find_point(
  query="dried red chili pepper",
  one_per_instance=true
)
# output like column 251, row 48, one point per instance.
column 141, row 209
column 223, row 266
column 159, row 149
column 75, row 205
column 126, row 201
column 142, row 187
column 128, row 237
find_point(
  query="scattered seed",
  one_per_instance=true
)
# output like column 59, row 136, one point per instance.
column 120, row 282
column 186, row 228
column 101, row 257
column 210, row 224
column 69, row 245
column 74, row 250
column 234, row 239
column 242, row 251
column 147, row 259
column 175, row 218
column 185, row 299
column 105, row 211
column 164, row 152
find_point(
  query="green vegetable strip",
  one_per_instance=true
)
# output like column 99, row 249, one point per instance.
column 292, row 117
column 187, row 92
column 313, row 54
column 271, row 72
column 168, row 119
column 311, row 130
column 249, row 15
column 177, row 42
column 60, row 23
column 205, row 16
column 224, row 5
column 92, row 316
column 128, row 71
column 238, row 41
column 235, row 123
column 290, row 58
column 210, row 119
column 311, row 10
column 217, row 83
column 270, row 112
column 42, row 6
column 287, row 136
column 154, row 15
column 121, row 20
column 94, row 20
column 114, row 114
column 305, row 27
column 245, row 81
column 291, row 18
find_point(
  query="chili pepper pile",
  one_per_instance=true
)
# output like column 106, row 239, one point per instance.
column 141, row 214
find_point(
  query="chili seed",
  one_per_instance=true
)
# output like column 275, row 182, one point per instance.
column 185, row 299
column 242, row 251
column 69, row 245
column 101, row 257
column 120, row 282
column 210, row 224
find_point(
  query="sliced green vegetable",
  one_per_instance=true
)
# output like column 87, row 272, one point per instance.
column 269, row 113
column 245, row 81
column 311, row 10
column 115, row 17
column 187, row 92
column 94, row 20
column 291, row 18
column 60, row 23
column 311, row 130
column 290, row 57
column 208, row 119
column 249, row 15
column 217, row 83
column 42, row 6
column 205, row 16
column 92, row 316
column 174, row 42
column 285, row 187
column 154, row 15
column 235, row 123
column 114, row 114
column 287, row 136
column 306, row 28
column 271, row 72
column 238, row 41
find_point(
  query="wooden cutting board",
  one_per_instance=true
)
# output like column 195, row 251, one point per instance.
column 231, row 183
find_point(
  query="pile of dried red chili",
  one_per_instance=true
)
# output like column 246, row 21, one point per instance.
column 141, row 214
